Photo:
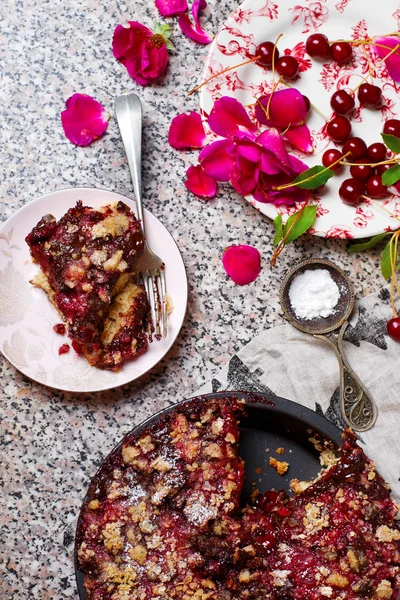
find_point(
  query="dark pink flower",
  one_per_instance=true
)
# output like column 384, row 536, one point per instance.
column 194, row 32
column 187, row 131
column 199, row 183
column 286, row 111
column 228, row 116
column 84, row 119
column 383, row 46
column 242, row 263
column 254, row 164
column 171, row 8
column 143, row 52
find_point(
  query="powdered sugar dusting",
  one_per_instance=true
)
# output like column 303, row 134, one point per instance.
column 314, row 294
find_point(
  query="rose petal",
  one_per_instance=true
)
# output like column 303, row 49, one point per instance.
column 242, row 263
column 197, row 6
column 197, row 35
column 199, row 183
column 244, row 183
column 300, row 138
column 216, row 159
column 227, row 115
column 187, row 131
column 393, row 61
column 171, row 8
column 143, row 53
column 272, row 141
column 84, row 119
column 287, row 108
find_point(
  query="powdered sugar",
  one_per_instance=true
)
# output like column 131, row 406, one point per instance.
column 313, row 294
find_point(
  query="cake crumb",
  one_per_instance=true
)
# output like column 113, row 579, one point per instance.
column 280, row 450
column 258, row 470
column 280, row 465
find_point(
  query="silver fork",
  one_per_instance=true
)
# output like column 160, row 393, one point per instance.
column 149, row 267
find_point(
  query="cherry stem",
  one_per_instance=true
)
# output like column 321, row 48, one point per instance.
column 273, row 56
column 293, row 184
column 379, row 206
column 246, row 62
column 371, row 71
column 392, row 161
column 393, row 246
column 282, row 243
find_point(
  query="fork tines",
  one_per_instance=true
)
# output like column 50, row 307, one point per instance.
column 156, row 289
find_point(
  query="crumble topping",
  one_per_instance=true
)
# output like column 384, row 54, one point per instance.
column 280, row 465
column 163, row 520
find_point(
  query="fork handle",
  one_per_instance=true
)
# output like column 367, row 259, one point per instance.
column 128, row 110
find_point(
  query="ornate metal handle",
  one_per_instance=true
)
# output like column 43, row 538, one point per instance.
column 358, row 411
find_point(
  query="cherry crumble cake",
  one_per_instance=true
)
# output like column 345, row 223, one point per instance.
column 87, row 260
column 163, row 519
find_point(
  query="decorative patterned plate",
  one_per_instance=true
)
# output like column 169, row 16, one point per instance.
column 256, row 21
column 27, row 338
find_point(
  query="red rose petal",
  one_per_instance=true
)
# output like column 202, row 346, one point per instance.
column 383, row 46
column 199, row 183
column 171, row 8
column 84, row 119
column 187, row 131
column 242, row 263
column 286, row 109
column 197, row 35
column 216, row 161
column 227, row 116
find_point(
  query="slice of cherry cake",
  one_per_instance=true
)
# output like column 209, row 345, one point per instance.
column 163, row 519
column 87, row 260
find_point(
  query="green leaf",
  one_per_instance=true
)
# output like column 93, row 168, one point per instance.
column 391, row 176
column 392, row 142
column 313, row 178
column 278, row 229
column 386, row 263
column 165, row 31
column 304, row 222
column 374, row 241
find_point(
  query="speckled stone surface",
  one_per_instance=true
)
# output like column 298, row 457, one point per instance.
column 53, row 442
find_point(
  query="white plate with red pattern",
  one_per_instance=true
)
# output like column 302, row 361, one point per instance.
column 256, row 21
column 27, row 318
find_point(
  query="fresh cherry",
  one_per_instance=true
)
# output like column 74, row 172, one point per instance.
column 356, row 146
column 380, row 169
column 392, row 127
column 338, row 128
column 265, row 51
column 307, row 103
column 287, row 67
column 361, row 172
column 375, row 188
column 342, row 102
column 376, row 152
column 317, row 45
column 341, row 52
column 351, row 191
column 369, row 95
column 393, row 328
column 331, row 156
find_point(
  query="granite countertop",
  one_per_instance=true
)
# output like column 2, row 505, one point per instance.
column 52, row 442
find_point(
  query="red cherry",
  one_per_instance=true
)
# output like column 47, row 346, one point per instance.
column 356, row 146
column 339, row 128
column 317, row 45
column 287, row 66
column 392, row 127
column 331, row 156
column 393, row 329
column 361, row 172
column 265, row 51
column 369, row 95
column 376, row 152
column 351, row 190
column 341, row 52
column 307, row 103
column 342, row 102
column 64, row 349
column 375, row 188
column 380, row 169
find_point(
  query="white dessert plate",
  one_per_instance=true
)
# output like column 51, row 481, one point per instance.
column 27, row 338
column 256, row 21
